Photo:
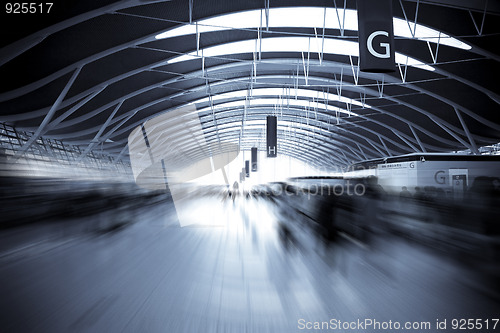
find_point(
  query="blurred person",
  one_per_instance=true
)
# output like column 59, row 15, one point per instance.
column 235, row 190
column 404, row 194
column 478, row 220
column 380, row 249
column 326, row 228
column 483, row 199
column 419, row 195
column 370, row 209
column 443, row 205
column 225, row 193
column 287, row 219
column 286, row 236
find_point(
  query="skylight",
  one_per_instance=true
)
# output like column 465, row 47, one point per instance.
column 286, row 126
column 285, row 94
column 280, row 103
column 308, row 17
column 291, row 44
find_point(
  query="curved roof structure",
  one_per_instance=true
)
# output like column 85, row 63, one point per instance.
column 91, row 72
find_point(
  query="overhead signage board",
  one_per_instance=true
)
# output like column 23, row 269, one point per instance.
column 254, row 159
column 376, row 36
column 271, row 135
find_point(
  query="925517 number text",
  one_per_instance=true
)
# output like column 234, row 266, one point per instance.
column 28, row 7
column 474, row 324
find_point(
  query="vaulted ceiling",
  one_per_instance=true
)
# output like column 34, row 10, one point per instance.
column 92, row 72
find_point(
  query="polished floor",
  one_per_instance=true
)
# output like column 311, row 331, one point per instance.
column 225, row 270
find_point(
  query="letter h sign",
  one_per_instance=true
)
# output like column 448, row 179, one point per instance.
column 271, row 135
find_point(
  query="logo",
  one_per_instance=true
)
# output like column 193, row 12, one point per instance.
column 385, row 46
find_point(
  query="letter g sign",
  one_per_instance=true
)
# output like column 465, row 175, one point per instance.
column 369, row 44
